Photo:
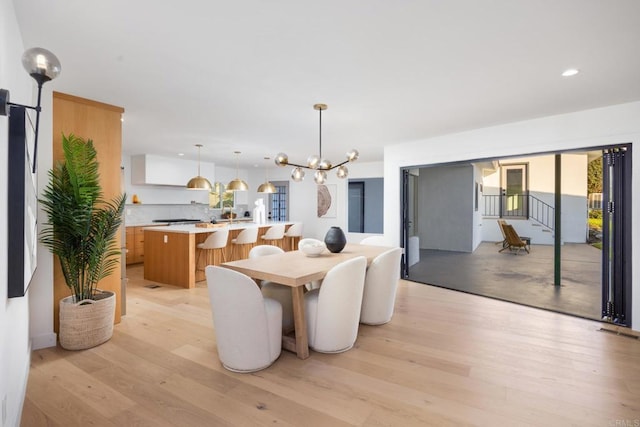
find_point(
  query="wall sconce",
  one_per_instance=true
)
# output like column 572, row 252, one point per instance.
column 43, row 66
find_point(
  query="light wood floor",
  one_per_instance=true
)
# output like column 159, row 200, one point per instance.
column 446, row 358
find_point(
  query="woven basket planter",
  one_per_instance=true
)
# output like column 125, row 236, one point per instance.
column 87, row 323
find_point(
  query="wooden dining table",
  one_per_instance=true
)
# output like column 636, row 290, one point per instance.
column 295, row 269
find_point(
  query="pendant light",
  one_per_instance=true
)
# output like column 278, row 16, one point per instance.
column 237, row 184
column 199, row 182
column 267, row 187
column 317, row 162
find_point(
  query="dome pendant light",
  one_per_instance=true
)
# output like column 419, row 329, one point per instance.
column 199, row 182
column 317, row 162
column 267, row 187
column 237, row 184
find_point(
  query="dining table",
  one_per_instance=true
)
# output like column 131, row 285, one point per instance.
column 295, row 269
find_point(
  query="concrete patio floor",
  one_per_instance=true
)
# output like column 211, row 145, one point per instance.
column 525, row 278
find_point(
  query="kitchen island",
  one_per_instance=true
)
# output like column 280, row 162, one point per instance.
column 171, row 253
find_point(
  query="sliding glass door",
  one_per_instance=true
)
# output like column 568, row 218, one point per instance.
column 616, row 231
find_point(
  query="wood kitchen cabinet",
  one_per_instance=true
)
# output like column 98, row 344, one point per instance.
column 101, row 123
column 135, row 245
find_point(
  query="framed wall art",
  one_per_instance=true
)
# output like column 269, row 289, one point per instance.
column 22, row 210
column 327, row 201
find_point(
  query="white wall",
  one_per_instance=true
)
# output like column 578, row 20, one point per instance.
column 617, row 124
column 541, row 170
column 14, row 312
column 303, row 195
column 364, row 170
column 178, row 202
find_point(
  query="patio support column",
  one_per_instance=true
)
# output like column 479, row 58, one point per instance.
column 557, row 221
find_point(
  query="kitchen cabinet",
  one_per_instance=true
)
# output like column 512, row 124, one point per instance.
column 147, row 169
column 171, row 253
column 135, row 245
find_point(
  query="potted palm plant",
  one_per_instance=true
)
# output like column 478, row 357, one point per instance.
column 81, row 231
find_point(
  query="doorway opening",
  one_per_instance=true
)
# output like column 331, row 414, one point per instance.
column 278, row 205
column 452, row 234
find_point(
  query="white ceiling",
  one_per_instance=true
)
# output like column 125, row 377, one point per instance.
column 244, row 75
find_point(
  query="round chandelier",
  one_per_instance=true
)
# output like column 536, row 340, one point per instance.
column 317, row 162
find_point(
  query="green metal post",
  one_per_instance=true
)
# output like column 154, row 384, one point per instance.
column 557, row 272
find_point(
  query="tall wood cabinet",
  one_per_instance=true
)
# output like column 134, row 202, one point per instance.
column 102, row 123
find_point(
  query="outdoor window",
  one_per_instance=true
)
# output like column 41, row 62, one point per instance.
column 279, row 202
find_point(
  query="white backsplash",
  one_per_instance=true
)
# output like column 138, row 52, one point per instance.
column 145, row 214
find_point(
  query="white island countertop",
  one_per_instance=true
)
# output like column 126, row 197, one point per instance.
column 192, row 229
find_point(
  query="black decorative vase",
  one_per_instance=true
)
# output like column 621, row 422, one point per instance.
column 335, row 240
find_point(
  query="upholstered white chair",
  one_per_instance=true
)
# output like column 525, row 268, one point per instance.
column 247, row 325
column 374, row 241
column 216, row 241
column 333, row 310
column 292, row 236
column 321, row 247
column 380, row 285
column 280, row 293
column 274, row 235
column 263, row 250
column 244, row 241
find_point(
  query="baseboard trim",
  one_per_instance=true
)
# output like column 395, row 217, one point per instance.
column 44, row 341
column 620, row 330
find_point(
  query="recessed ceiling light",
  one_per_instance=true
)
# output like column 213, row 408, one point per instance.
column 570, row 72
column 180, row 154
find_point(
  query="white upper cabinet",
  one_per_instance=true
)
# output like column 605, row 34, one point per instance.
column 148, row 169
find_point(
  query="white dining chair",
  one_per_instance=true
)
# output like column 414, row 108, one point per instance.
column 292, row 236
column 274, row 235
column 247, row 325
column 374, row 241
column 278, row 292
column 333, row 311
column 380, row 285
column 244, row 241
column 215, row 242
column 317, row 246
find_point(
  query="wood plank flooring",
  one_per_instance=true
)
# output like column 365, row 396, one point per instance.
column 446, row 359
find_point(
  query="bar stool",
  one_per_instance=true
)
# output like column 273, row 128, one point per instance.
column 274, row 235
column 293, row 236
column 216, row 241
column 243, row 243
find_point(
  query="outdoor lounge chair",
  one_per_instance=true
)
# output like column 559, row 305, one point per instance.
column 501, row 224
column 515, row 242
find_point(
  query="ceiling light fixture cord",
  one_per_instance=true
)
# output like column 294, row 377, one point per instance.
column 320, row 134
column 199, row 182
column 237, row 184
column 199, row 160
